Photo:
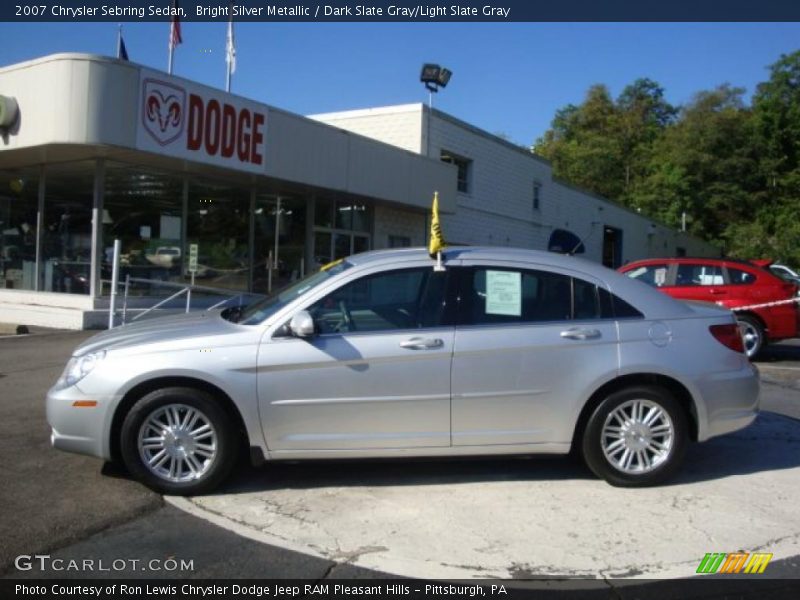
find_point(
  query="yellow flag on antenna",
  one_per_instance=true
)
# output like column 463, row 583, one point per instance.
column 436, row 242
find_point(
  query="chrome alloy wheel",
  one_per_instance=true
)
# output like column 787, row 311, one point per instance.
column 177, row 443
column 751, row 337
column 637, row 436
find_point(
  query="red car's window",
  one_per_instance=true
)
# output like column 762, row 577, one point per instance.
column 655, row 275
column 739, row 277
column 698, row 275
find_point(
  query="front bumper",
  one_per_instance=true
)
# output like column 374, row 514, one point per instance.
column 83, row 430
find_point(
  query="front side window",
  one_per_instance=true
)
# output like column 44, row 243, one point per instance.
column 692, row 274
column 395, row 300
column 259, row 311
column 655, row 275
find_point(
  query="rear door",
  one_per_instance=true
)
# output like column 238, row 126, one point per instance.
column 699, row 280
column 528, row 345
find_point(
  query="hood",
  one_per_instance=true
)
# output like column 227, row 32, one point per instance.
column 163, row 329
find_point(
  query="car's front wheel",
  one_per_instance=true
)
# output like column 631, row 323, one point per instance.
column 178, row 441
column 636, row 437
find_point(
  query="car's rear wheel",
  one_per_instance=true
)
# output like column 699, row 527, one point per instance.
column 636, row 437
column 752, row 334
column 178, row 441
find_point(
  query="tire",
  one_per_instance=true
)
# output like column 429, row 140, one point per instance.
column 179, row 441
column 752, row 334
column 655, row 443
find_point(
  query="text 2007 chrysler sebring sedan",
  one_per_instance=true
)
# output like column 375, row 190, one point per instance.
column 504, row 352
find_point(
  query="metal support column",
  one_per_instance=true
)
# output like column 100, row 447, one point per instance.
column 40, row 228
column 95, row 285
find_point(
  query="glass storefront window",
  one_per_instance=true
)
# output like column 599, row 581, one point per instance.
column 19, row 199
column 142, row 208
column 287, row 218
column 323, row 213
column 218, row 222
column 67, row 235
column 352, row 223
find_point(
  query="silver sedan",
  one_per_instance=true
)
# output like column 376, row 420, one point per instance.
column 380, row 355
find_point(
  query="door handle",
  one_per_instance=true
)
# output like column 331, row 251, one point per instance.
column 416, row 343
column 717, row 292
column 578, row 333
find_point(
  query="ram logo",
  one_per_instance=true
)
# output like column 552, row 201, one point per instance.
column 163, row 109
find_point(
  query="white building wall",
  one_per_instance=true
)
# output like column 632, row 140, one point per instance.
column 392, row 221
column 498, row 206
column 400, row 126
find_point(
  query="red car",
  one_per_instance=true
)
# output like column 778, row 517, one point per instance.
column 729, row 283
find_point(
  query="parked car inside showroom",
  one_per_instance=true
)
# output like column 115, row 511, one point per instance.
column 738, row 285
column 504, row 351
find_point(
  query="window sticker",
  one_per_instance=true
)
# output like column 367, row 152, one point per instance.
column 661, row 276
column 504, row 293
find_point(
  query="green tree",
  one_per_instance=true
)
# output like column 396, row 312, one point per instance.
column 704, row 165
column 605, row 145
column 776, row 119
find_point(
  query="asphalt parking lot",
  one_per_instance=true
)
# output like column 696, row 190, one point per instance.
column 540, row 517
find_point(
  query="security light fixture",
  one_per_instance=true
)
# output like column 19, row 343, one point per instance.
column 434, row 76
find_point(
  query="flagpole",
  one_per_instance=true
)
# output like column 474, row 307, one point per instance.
column 171, row 52
column 230, row 50
column 119, row 40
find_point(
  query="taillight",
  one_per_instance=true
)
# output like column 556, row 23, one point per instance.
column 728, row 335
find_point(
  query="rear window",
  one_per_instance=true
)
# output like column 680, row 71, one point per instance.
column 739, row 277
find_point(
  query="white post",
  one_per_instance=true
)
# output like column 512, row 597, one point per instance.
column 269, row 272
column 114, row 283
column 277, row 229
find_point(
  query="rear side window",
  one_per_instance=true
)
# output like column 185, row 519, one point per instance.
column 655, row 275
column 690, row 274
column 739, row 277
column 529, row 296
column 614, row 307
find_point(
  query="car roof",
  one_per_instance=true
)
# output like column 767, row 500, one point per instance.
column 645, row 298
column 688, row 259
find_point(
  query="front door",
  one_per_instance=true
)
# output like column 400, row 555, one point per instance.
column 376, row 376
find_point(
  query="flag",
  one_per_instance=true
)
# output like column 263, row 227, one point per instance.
column 436, row 243
column 122, row 51
column 230, row 46
column 175, row 27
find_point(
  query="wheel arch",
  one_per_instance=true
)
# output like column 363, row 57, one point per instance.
column 675, row 387
column 756, row 317
column 145, row 387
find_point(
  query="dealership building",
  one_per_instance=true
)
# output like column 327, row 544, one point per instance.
column 94, row 149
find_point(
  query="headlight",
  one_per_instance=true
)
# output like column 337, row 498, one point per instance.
column 79, row 367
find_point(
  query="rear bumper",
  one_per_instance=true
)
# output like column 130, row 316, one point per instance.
column 731, row 401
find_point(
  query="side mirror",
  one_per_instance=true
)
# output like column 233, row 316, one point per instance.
column 302, row 324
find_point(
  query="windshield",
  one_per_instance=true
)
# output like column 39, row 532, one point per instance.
column 258, row 311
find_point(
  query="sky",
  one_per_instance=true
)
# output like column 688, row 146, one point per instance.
column 508, row 78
